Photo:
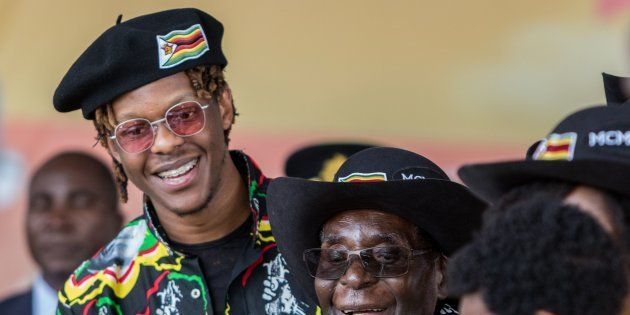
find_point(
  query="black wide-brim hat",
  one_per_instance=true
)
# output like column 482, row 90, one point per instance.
column 388, row 179
column 590, row 147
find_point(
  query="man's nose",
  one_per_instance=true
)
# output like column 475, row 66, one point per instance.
column 58, row 216
column 356, row 277
column 165, row 140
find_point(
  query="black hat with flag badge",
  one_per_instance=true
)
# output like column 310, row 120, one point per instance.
column 137, row 52
column 392, row 180
column 589, row 147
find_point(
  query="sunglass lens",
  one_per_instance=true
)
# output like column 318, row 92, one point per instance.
column 135, row 135
column 326, row 263
column 186, row 119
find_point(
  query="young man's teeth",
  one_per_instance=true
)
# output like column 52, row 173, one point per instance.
column 178, row 171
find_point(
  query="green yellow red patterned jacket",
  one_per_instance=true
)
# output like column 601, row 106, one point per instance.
column 139, row 273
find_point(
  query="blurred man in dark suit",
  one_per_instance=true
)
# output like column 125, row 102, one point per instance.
column 72, row 212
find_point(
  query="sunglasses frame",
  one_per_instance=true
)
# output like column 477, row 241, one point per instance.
column 412, row 253
column 154, row 125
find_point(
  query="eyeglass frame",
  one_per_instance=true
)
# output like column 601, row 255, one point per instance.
column 154, row 125
column 412, row 253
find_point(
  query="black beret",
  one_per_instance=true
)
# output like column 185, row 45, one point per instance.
column 137, row 52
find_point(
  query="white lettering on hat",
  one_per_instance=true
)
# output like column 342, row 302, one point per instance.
column 411, row 176
column 609, row 138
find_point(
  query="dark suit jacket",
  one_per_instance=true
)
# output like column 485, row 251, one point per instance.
column 18, row 304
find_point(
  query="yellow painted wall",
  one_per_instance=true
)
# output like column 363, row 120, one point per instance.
column 474, row 70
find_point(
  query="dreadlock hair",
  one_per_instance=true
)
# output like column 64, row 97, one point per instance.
column 207, row 81
column 541, row 254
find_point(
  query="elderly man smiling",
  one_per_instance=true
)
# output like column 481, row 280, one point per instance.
column 375, row 239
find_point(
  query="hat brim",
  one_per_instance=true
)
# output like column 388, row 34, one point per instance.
column 299, row 208
column 491, row 180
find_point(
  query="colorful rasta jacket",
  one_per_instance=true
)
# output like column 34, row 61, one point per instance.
column 139, row 273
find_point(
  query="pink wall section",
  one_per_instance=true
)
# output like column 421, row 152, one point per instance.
column 36, row 141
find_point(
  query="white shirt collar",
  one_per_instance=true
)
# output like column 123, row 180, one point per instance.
column 44, row 297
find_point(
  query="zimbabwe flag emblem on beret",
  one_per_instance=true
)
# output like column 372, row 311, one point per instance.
column 181, row 45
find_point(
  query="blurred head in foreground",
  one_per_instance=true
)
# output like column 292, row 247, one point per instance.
column 539, row 257
column 585, row 160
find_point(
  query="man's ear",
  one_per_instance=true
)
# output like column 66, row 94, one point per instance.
column 226, row 107
column 440, row 274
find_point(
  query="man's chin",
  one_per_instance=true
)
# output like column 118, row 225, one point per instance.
column 187, row 210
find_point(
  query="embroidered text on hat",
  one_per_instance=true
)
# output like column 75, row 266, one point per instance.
column 609, row 138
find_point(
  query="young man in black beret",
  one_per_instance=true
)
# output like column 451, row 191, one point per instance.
column 155, row 88
column 375, row 240
column 539, row 257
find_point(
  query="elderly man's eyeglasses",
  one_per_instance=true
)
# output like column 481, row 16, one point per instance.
column 183, row 119
column 380, row 262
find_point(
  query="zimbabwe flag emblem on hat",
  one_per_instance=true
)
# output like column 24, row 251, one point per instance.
column 364, row 177
column 557, row 147
column 179, row 46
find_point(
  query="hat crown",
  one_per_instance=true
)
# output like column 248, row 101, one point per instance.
column 321, row 160
column 388, row 164
column 617, row 89
column 600, row 133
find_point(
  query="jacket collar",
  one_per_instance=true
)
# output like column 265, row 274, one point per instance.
column 256, row 186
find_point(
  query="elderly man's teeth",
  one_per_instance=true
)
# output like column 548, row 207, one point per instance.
column 178, row 171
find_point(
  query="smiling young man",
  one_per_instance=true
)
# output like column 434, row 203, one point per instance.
column 375, row 240
column 155, row 88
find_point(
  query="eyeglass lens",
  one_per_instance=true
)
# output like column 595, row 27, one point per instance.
column 137, row 135
column 387, row 261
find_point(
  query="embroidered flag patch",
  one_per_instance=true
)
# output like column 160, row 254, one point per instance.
column 557, row 147
column 364, row 177
column 179, row 46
